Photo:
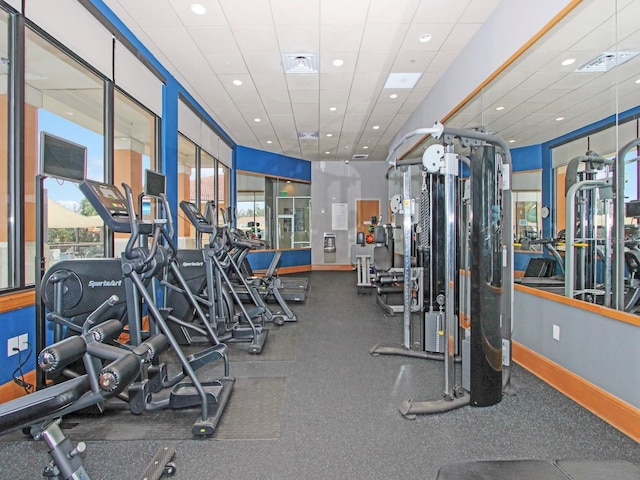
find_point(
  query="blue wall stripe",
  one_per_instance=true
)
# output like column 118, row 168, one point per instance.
column 272, row 164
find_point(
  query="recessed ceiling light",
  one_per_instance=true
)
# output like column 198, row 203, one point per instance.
column 637, row 81
column 365, row 147
column 328, row 153
column 257, row 120
column 559, row 119
column 424, row 38
column 512, row 141
column 198, row 9
column 269, row 141
column 338, row 62
column 568, row 61
column 393, row 95
column 329, row 134
column 237, row 82
column 333, row 109
column 499, row 109
column 376, row 127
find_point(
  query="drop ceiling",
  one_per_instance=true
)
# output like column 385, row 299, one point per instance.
column 244, row 41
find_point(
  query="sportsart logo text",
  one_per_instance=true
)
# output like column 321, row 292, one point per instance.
column 105, row 283
column 192, row 264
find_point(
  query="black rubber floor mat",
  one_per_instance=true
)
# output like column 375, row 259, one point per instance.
column 253, row 412
column 279, row 347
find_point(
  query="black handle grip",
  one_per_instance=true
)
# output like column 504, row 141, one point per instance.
column 61, row 354
column 119, row 374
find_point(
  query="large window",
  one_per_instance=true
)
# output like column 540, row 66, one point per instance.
column 275, row 210
column 133, row 152
column 5, row 280
column 65, row 99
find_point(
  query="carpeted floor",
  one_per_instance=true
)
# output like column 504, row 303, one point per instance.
column 338, row 415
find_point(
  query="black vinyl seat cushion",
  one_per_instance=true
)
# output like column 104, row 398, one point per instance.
column 500, row 470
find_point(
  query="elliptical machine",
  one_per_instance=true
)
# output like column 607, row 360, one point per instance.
column 140, row 265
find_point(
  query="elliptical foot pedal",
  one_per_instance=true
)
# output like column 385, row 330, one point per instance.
column 257, row 345
column 160, row 464
column 185, row 395
column 207, row 427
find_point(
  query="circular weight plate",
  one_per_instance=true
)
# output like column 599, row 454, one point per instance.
column 72, row 292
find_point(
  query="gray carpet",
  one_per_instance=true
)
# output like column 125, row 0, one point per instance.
column 340, row 412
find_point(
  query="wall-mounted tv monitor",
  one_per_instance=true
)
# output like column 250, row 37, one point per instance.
column 154, row 183
column 61, row 158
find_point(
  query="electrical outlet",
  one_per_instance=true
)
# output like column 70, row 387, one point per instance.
column 556, row 332
column 17, row 344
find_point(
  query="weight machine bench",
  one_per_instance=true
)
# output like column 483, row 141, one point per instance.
column 540, row 470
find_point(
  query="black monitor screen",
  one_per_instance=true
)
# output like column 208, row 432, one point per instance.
column 154, row 183
column 196, row 213
column 111, row 197
column 632, row 209
column 62, row 158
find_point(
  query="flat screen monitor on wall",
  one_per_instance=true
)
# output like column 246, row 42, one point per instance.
column 62, row 159
column 154, row 183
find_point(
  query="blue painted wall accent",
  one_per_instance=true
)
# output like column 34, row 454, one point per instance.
column 290, row 258
column 526, row 158
column 272, row 164
column 169, row 144
column 17, row 322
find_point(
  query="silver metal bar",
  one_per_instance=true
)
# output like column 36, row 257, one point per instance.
column 407, row 231
column 570, row 212
column 451, row 175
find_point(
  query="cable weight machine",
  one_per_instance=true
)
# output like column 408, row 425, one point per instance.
column 464, row 237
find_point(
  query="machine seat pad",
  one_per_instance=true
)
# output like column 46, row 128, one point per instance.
column 42, row 404
column 598, row 469
column 500, row 470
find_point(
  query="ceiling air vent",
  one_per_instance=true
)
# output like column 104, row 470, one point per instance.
column 300, row 62
column 308, row 135
column 606, row 61
column 360, row 156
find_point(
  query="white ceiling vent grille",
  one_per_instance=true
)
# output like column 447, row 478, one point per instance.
column 607, row 61
column 360, row 156
column 300, row 62
column 308, row 135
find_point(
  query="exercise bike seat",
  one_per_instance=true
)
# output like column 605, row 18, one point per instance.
column 41, row 405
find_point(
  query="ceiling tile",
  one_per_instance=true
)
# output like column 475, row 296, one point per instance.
column 214, row 40
column 264, row 63
column 303, row 81
column 392, row 11
column 341, row 12
column 213, row 15
column 172, row 40
column 295, row 12
column 247, row 12
column 341, row 38
column 448, row 11
column 298, row 38
column 257, row 39
column 226, row 63
column 275, row 82
column 378, row 38
column 152, row 13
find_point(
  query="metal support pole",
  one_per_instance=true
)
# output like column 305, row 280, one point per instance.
column 451, row 275
column 407, row 231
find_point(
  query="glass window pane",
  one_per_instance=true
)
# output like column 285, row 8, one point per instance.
column 65, row 99
column 186, row 189
column 5, row 281
column 134, row 151
column 224, row 190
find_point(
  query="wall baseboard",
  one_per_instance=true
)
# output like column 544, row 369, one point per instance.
column 333, row 267
column 12, row 390
column 611, row 409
